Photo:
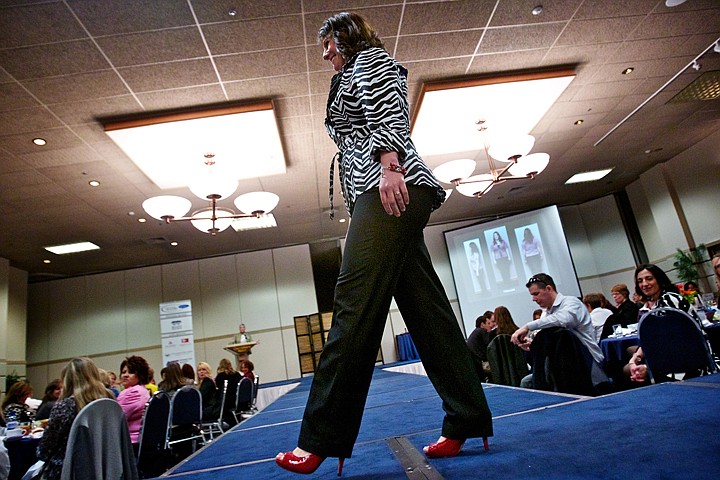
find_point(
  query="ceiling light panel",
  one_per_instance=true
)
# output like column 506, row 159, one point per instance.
column 171, row 150
column 72, row 248
column 446, row 122
column 588, row 176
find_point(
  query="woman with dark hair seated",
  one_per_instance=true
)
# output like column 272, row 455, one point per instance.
column 134, row 375
column 657, row 291
column 52, row 394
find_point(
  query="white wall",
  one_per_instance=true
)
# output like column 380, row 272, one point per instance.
column 112, row 315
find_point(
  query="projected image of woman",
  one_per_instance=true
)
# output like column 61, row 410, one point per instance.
column 477, row 272
column 532, row 252
column 501, row 256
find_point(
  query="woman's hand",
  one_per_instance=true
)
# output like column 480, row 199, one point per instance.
column 638, row 373
column 393, row 191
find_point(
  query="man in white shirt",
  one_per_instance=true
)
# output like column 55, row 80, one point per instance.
column 569, row 314
column 598, row 314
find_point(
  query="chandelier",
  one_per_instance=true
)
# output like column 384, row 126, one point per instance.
column 213, row 184
column 508, row 158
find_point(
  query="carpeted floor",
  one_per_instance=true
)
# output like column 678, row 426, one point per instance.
column 662, row 431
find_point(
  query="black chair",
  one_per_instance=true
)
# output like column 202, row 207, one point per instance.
column 673, row 342
column 507, row 361
column 209, row 429
column 243, row 399
column 99, row 444
column 186, row 415
column 153, row 453
column 561, row 363
column 256, row 387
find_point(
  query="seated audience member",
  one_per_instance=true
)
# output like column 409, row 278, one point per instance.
column 14, row 406
column 81, row 385
column 657, row 291
column 115, row 385
column 107, row 380
column 478, row 342
column 627, row 309
column 208, row 391
column 504, row 321
column 151, row 385
column 716, row 268
column 247, row 368
column 189, row 374
column 637, row 299
column 52, row 394
column 577, row 366
column 134, row 377
column 172, row 379
column 225, row 371
column 598, row 315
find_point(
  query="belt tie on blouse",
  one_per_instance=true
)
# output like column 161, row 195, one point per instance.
column 337, row 157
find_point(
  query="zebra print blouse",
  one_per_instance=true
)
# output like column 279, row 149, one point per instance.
column 367, row 112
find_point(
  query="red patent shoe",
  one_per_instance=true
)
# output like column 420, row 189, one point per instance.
column 303, row 465
column 448, row 448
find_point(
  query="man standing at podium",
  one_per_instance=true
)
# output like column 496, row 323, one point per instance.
column 242, row 336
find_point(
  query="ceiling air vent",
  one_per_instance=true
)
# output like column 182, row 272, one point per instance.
column 515, row 190
column 705, row 87
column 156, row 240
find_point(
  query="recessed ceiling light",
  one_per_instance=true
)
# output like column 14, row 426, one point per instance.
column 174, row 244
column 588, row 176
column 537, row 10
column 46, row 261
column 72, row 248
column 579, row 122
column 652, row 150
column 39, row 141
column 232, row 12
column 142, row 220
column 94, row 183
column 628, row 71
column 342, row 220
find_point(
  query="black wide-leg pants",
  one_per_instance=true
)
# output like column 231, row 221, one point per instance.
column 386, row 256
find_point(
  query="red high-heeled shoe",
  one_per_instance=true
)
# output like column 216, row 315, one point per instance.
column 303, row 465
column 448, row 448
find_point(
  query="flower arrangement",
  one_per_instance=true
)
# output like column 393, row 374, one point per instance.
column 688, row 294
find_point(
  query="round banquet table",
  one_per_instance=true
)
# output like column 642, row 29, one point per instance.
column 615, row 349
column 406, row 348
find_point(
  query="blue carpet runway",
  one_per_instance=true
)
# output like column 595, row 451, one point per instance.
column 662, row 431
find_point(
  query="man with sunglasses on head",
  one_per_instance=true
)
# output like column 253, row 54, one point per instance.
column 575, row 364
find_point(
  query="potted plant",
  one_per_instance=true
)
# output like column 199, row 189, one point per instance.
column 10, row 379
column 687, row 262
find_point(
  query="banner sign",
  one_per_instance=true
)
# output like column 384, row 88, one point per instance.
column 176, row 330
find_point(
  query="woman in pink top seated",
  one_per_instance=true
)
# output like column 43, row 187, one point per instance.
column 134, row 375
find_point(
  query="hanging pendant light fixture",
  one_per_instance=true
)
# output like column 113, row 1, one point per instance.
column 212, row 184
column 512, row 150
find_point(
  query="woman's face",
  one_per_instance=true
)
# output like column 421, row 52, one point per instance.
column 58, row 391
column 618, row 298
column 202, row 373
column 716, row 266
column 331, row 54
column 648, row 284
column 128, row 379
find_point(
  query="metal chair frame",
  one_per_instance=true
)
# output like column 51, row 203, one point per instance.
column 217, row 425
column 686, row 347
column 186, row 416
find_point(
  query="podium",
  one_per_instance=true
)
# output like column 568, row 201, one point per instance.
column 241, row 351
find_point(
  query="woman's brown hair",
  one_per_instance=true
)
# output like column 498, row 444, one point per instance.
column 351, row 32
